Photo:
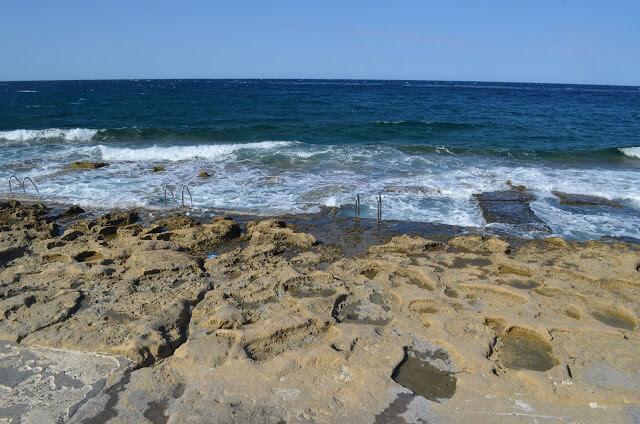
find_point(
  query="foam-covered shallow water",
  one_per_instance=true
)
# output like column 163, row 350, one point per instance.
column 274, row 147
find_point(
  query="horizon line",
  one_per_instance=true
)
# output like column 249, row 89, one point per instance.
column 318, row 79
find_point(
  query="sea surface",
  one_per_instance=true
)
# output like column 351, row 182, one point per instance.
column 295, row 146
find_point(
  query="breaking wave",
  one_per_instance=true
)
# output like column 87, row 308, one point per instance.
column 73, row 134
column 632, row 152
column 178, row 153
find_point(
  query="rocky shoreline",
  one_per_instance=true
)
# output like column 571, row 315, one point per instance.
column 121, row 319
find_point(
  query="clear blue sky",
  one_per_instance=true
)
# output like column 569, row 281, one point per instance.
column 512, row 40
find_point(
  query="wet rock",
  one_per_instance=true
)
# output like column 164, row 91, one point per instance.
column 518, row 187
column 584, row 200
column 158, row 168
column 329, row 210
column 203, row 174
column 510, row 207
column 512, row 195
column 49, row 385
column 89, row 165
column 428, row 371
column 421, row 190
column 71, row 211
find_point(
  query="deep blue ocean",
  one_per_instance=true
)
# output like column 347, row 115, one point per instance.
column 294, row 146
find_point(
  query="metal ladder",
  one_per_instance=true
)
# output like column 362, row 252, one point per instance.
column 173, row 196
column 21, row 183
column 356, row 209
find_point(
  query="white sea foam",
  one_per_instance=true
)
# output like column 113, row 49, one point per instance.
column 291, row 177
column 632, row 152
column 74, row 134
column 178, row 153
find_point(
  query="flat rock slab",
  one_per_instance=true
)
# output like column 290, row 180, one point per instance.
column 510, row 207
column 42, row 385
column 584, row 200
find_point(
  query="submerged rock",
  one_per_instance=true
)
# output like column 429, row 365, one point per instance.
column 158, row 168
column 89, row 165
column 584, row 200
column 420, row 190
column 510, row 207
column 203, row 174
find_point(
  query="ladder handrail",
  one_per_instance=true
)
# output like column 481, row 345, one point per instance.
column 356, row 212
column 379, row 208
column 188, row 191
column 173, row 196
column 34, row 184
column 19, row 182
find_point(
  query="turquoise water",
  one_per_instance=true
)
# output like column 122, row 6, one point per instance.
column 275, row 146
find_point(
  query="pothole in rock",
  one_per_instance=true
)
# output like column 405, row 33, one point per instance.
column 423, row 306
column 300, row 292
column 378, row 299
column 460, row 263
column 614, row 319
column 428, row 371
column 362, row 311
column 519, row 284
column 421, row 284
column 370, row 273
column 88, row 256
column 452, row 293
column 247, row 304
column 522, row 349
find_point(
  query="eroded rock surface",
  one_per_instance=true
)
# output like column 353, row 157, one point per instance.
column 221, row 323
